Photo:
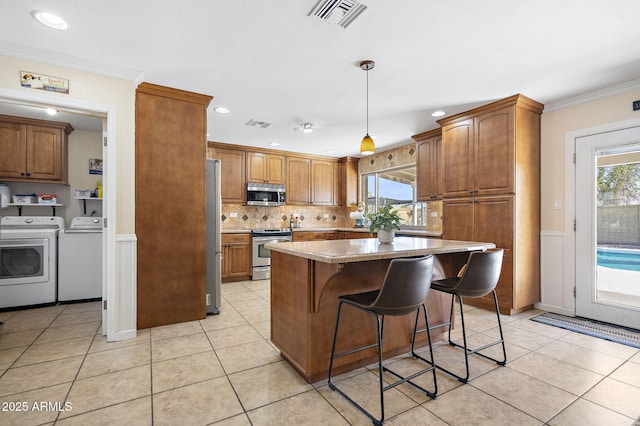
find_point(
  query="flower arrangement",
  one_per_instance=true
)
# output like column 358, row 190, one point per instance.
column 384, row 219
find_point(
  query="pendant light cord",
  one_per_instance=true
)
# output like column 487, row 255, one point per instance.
column 367, row 102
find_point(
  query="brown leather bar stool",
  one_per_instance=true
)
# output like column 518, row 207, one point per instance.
column 478, row 278
column 404, row 290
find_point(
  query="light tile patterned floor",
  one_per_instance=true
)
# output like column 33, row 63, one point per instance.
column 223, row 370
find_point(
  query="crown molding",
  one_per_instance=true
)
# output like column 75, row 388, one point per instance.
column 72, row 62
column 593, row 95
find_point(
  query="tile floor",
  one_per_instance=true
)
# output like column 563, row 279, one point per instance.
column 56, row 368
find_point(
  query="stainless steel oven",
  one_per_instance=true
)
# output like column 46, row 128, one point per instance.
column 261, row 269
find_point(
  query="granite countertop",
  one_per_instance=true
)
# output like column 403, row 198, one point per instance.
column 365, row 249
column 414, row 232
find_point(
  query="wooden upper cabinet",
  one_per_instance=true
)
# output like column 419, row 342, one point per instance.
column 347, row 181
column 265, row 168
column 457, row 158
column 323, row 182
column 232, row 172
column 494, row 152
column 429, row 165
column 298, row 180
column 33, row 150
column 480, row 147
column 311, row 181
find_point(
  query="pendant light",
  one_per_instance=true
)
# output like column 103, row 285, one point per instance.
column 367, row 147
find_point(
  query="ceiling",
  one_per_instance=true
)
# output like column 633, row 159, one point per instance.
column 268, row 61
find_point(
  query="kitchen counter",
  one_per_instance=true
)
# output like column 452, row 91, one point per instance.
column 308, row 276
column 365, row 249
column 412, row 232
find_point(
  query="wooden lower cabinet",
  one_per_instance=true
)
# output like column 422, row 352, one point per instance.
column 354, row 235
column 314, row 235
column 236, row 257
column 493, row 219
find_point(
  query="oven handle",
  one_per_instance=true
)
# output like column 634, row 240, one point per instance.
column 271, row 239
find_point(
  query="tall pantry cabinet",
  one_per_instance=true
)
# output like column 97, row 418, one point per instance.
column 491, row 191
column 170, row 151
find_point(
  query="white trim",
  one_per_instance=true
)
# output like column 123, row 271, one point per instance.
column 72, row 62
column 109, row 197
column 592, row 95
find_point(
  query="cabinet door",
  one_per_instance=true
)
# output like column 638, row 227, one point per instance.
column 238, row 259
column 347, row 182
column 494, row 223
column 298, row 180
column 232, row 171
column 44, row 153
column 428, row 169
column 457, row 219
column 457, row 157
column 323, row 181
column 494, row 152
column 256, row 167
column 275, row 169
column 13, row 150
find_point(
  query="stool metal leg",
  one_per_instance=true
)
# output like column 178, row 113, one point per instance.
column 476, row 351
column 381, row 368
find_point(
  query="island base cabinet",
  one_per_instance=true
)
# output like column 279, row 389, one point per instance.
column 304, row 305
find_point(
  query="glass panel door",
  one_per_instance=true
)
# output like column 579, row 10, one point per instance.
column 608, row 227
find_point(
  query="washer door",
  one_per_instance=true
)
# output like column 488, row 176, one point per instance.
column 24, row 261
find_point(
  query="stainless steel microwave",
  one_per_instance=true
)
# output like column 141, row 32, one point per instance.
column 265, row 194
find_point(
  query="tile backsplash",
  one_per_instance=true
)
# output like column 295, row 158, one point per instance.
column 238, row 216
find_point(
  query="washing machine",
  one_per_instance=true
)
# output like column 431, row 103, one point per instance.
column 28, row 260
column 80, row 260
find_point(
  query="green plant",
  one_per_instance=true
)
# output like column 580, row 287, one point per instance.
column 384, row 219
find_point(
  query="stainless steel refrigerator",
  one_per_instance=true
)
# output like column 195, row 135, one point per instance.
column 214, row 247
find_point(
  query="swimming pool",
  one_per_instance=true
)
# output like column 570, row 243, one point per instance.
column 627, row 259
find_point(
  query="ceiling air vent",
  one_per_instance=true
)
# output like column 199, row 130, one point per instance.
column 338, row 12
column 256, row 123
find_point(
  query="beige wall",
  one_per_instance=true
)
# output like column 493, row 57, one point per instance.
column 555, row 125
column 93, row 89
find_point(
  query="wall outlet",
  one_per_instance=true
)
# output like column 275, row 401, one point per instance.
column 233, row 214
column 208, row 300
column 636, row 105
column 325, row 215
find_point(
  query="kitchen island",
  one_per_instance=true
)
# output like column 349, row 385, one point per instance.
column 307, row 277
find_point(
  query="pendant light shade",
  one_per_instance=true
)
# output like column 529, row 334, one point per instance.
column 367, row 147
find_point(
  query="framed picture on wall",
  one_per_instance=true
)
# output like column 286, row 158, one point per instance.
column 95, row 166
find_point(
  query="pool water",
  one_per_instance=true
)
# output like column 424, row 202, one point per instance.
column 627, row 259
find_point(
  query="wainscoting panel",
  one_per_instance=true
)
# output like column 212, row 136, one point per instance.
column 125, row 291
column 556, row 274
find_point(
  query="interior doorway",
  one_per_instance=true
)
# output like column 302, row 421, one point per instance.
column 607, row 243
column 105, row 115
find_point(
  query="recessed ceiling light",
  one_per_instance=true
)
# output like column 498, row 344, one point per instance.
column 49, row 19
column 274, row 144
column 221, row 110
column 51, row 111
column 438, row 113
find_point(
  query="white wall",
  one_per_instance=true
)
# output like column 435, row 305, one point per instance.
column 557, row 236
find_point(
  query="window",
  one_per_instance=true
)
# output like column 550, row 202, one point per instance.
column 397, row 187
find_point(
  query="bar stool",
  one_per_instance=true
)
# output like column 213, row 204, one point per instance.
column 478, row 278
column 404, row 290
